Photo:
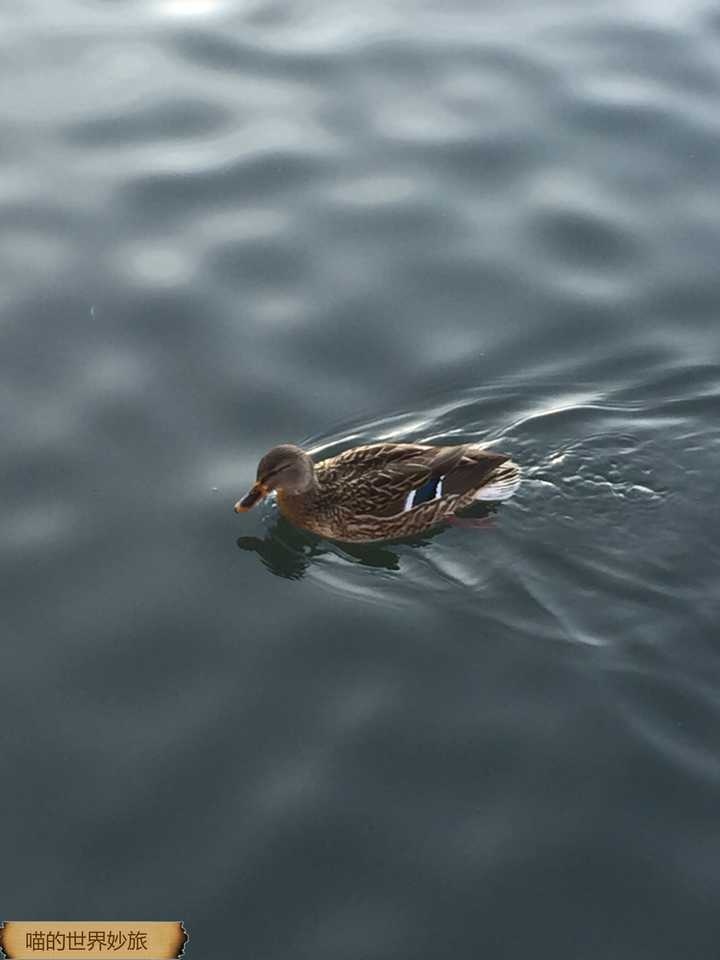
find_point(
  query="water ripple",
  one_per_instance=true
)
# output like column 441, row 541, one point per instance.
column 587, row 483
column 226, row 225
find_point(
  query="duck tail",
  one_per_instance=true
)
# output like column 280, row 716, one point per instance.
column 501, row 484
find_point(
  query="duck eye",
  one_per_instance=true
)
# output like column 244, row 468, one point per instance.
column 273, row 472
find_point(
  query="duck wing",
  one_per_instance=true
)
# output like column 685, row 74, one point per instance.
column 373, row 455
column 384, row 480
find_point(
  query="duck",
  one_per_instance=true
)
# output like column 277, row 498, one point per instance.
column 380, row 491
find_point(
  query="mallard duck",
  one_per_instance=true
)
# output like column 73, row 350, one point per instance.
column 382, row 491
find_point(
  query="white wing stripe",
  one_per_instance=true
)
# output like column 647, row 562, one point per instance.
column 410, row 498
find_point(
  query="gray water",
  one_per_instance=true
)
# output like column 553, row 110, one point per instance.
column 225, row 225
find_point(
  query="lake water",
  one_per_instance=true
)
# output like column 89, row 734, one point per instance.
column 226, row 225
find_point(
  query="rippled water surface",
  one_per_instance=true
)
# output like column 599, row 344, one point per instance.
column 224, row 225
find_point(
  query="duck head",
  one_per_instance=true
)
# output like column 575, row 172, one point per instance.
column 286, row 468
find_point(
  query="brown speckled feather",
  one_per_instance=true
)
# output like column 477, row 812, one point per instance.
column 362, row 494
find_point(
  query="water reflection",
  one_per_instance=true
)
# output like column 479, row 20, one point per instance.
column 288, row 551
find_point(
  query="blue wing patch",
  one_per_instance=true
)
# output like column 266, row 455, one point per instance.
column 432, row 490
column 425, row 493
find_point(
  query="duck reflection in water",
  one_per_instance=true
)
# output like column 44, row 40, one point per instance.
column 288, row 551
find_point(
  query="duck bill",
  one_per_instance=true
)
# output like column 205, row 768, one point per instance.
column 258, row 491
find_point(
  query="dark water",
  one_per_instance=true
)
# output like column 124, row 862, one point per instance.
column 226, row 225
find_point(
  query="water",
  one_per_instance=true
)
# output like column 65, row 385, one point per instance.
column 228, row 225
